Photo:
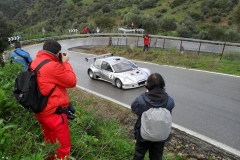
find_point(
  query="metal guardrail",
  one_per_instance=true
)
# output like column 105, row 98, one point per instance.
column 134, row 35
column 204, row 45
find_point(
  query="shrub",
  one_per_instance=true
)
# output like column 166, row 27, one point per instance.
column 176, row 3
column 232, row 35
column 168, row 24
column 183, row 31
column 164, row 10
column 189, row 23
column 202, row 35
column 216, row 33
column 195, row 16
column 106, row 8
column 216, row 19
column 205, row 10
column 147, row 4
column 158, row 15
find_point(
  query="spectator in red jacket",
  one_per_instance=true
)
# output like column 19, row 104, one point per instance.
column 55, row 77
column 85, row 30
column 146, row 42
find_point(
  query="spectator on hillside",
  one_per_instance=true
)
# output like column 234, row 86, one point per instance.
column 156, row 97
column 54, row 78
column 85, row 30
column 146, row 42
column 132, row 25
column 20, row 56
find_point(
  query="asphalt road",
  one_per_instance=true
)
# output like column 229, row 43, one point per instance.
column 206, row 103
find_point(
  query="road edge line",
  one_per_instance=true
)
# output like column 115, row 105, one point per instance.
column 195, row 134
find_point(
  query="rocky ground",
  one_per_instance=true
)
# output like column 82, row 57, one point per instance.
column 185, row 145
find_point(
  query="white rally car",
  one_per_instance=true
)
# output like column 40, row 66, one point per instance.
column 119, row 71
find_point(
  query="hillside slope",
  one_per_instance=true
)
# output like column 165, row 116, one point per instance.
column 58, row 16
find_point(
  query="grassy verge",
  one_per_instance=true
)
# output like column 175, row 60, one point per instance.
column 102, row 129
column 229, row 64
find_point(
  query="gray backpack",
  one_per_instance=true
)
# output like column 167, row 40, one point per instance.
column 156, row 123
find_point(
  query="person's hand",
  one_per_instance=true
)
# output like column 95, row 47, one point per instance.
column 65, row 57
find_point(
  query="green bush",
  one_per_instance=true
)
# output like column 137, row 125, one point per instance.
column 231, row 35
column 195, row 16
column 216, row 19
column 92, row 135
column 183, row 31
column 176, row 3
column 164, row 10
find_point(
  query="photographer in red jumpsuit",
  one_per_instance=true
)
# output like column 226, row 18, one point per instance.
column 55, row 76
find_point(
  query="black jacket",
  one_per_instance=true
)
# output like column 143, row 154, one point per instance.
column 156, row 97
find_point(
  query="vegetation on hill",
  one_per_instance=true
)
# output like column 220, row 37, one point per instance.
column 202, row 19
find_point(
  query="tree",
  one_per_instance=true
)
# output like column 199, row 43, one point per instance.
column 147, row 22
column 216, row 33
column 183, row 31
column 189, row 23
column 104, row 22
column 106, row 8
column 236, row 16
column 168, row 24
column 6, row 30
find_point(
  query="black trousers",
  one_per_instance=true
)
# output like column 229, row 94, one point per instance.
column 145, row 48
column 155, row 150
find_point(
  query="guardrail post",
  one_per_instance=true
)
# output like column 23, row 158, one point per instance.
column 126, row 42
column 117, row 41
column 163, row 43
column 110, row 42
column 137, row 42
column 223, row 50
column 155, row 44
column 199, row 48
column 181, row 45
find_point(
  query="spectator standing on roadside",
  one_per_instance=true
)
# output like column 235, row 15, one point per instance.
column 85, row 30
column 20, row 56
column 132, row 25
column 98, row 30
column 155, row 96
column 55, row 77
column 146, row 42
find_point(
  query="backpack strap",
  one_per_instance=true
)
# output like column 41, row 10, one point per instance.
column 40, row 65
column 25, row 58
column 150, row 106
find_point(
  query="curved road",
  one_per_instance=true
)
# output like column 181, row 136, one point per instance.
column 205, row 103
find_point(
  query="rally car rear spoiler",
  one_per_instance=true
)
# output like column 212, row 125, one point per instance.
column 100, row 56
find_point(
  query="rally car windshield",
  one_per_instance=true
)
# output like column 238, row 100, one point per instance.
column 124, row 66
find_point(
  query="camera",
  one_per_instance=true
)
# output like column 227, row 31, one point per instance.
column 60, row 56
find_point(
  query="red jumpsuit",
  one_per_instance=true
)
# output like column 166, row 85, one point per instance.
column 60, row 76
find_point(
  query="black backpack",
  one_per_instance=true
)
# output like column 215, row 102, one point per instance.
column 26, row 90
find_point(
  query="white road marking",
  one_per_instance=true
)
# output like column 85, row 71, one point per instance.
column 195, row 134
